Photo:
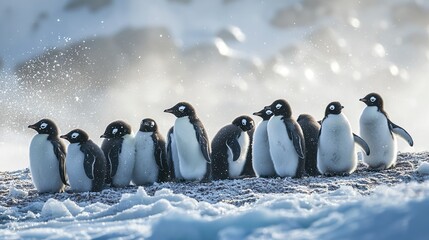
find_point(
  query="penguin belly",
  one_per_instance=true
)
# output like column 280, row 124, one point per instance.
column 336, row 151
column 375, row 131
column 262, row 163
column 146, row 170
column 44, row 165
column 79, row 181
column 126, row 162
column 235, row 168
column 282, row 151
column 193, row 165
column 175, row 158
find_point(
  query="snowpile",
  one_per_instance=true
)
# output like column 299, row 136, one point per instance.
column 390, row 204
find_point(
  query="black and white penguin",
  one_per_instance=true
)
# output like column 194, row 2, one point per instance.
column 377, row 130
column 47, row 158
column 262, row 163
column 336, row 149
column 173, row 157
column 151, row 159
column 119, row 150
column 286, row 140
column 192, row 143
column 86, row 164
column 230, row 148
column 310, row 127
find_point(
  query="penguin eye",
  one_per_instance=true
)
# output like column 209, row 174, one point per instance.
column 75, row 135
column 372, row 99
column 332, row 107
column 114, row 131
column 182, row 108
column 269, row 112
column 152, row 124
column 278, row 106
column 244, row 122
column 43, row 125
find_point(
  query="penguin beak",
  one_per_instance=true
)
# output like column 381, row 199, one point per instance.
column 169, row 110
column 64, row 137
column 32, row 126
column 103, row 136
column 362, row 100
column 258, row 113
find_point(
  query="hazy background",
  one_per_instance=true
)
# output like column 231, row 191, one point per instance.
column 87, row 63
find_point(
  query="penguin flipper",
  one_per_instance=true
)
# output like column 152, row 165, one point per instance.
column 361, row 143
column 113, row 158
column 169, row 154
column 60, row 153
column 203, row 139
column 161, row 157
column 295, row 134
column 401, row 132
column 234, row 147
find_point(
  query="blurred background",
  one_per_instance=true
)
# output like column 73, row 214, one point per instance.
column 87, row 63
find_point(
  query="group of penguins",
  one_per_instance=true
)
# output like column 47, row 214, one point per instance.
column 279, row 146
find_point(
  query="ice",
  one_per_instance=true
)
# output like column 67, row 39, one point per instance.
column 17, row 193
column 423, row 168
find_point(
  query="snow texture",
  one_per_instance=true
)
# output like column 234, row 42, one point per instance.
column 389, row 204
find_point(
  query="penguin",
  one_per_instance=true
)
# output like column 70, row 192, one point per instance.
column 119, row 150
column 47, row 158
column 151, row 159
column 262, row 163
column 86, row 164
column 336, row 150
column 192, row 143
column 286, row 141
column 230, row 148
column 173, row 157
column 377, row 130
column 310, row 127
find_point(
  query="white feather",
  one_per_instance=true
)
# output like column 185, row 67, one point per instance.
column 375, row 131
column 175, row 157
column 78, row 180
column 124, row 173
column 192, row 162
column 236, row 167
column 145, row 168
column 282, row 150
column 336, row 149
column 44, row 165
column 262, row 163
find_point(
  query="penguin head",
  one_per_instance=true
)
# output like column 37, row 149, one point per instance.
column 182, row 109
column 116, row 129
column 265, row 113
column 333, row 108
column 246, row 123
column 45, row 126
column 281, row 108
column 148, row 125
column 373, row 99
column 76, row 136
column 306, row 117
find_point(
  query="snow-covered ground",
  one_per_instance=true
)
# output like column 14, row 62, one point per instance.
column 391, row 204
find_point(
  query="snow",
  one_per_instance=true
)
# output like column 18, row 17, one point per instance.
column 390, row 204
column 423, row 168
